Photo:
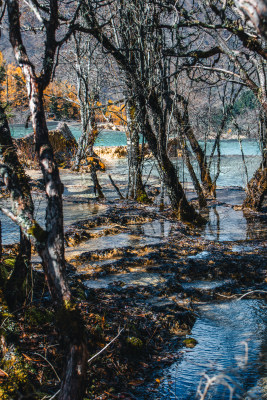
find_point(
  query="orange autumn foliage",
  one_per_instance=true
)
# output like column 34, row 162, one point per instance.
column 60, row 98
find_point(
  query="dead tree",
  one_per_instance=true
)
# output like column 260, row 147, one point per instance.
column 50, row 242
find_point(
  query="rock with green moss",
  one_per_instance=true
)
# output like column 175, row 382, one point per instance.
column 190, row 342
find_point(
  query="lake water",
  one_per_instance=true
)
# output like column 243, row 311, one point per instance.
column 233, row 224
column 116, row 138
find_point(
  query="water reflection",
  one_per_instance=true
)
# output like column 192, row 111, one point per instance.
column 228, row 224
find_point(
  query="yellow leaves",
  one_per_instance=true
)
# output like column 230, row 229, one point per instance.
column 2, row 60
column 14, row 87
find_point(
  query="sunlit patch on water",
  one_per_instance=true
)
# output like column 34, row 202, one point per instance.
column 118, row 241
column 200, row 256
column 126, row 280
column 230, row 357
column 204, row 285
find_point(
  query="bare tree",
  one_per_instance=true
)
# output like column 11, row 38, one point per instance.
column 50, row 242
column 143, row 74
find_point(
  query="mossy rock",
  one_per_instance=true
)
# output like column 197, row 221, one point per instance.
column 190, row 343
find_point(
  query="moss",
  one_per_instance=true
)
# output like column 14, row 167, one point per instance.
column 134, row 343
column 17, row 380
column 36, row 316
column 10, row 261
column 190, row 342
column 143, row 198
column 37, row 232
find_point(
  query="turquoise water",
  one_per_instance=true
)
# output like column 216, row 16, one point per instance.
column 105, row 138
column 115, row 138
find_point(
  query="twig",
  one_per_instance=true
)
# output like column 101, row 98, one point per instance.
column 107, row 345
column 51, row 398
column 40, row 355
column 243, row 295
column 253, row 291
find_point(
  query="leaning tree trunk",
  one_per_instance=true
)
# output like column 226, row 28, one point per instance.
column 68, row 317
column 50, row 243
column 201, row 197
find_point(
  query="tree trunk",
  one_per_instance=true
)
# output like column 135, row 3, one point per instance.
column 154, row 123
column 69, row 321
column 15, row 292
column 20, row 198
column 201, row 198
column 136, row 188
column 257, row 186
column 208, row 186
column 50, row 243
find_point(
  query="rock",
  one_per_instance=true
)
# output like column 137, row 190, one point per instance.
column 62, row 140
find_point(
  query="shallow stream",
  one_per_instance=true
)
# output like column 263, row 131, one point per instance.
column 229, row 361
